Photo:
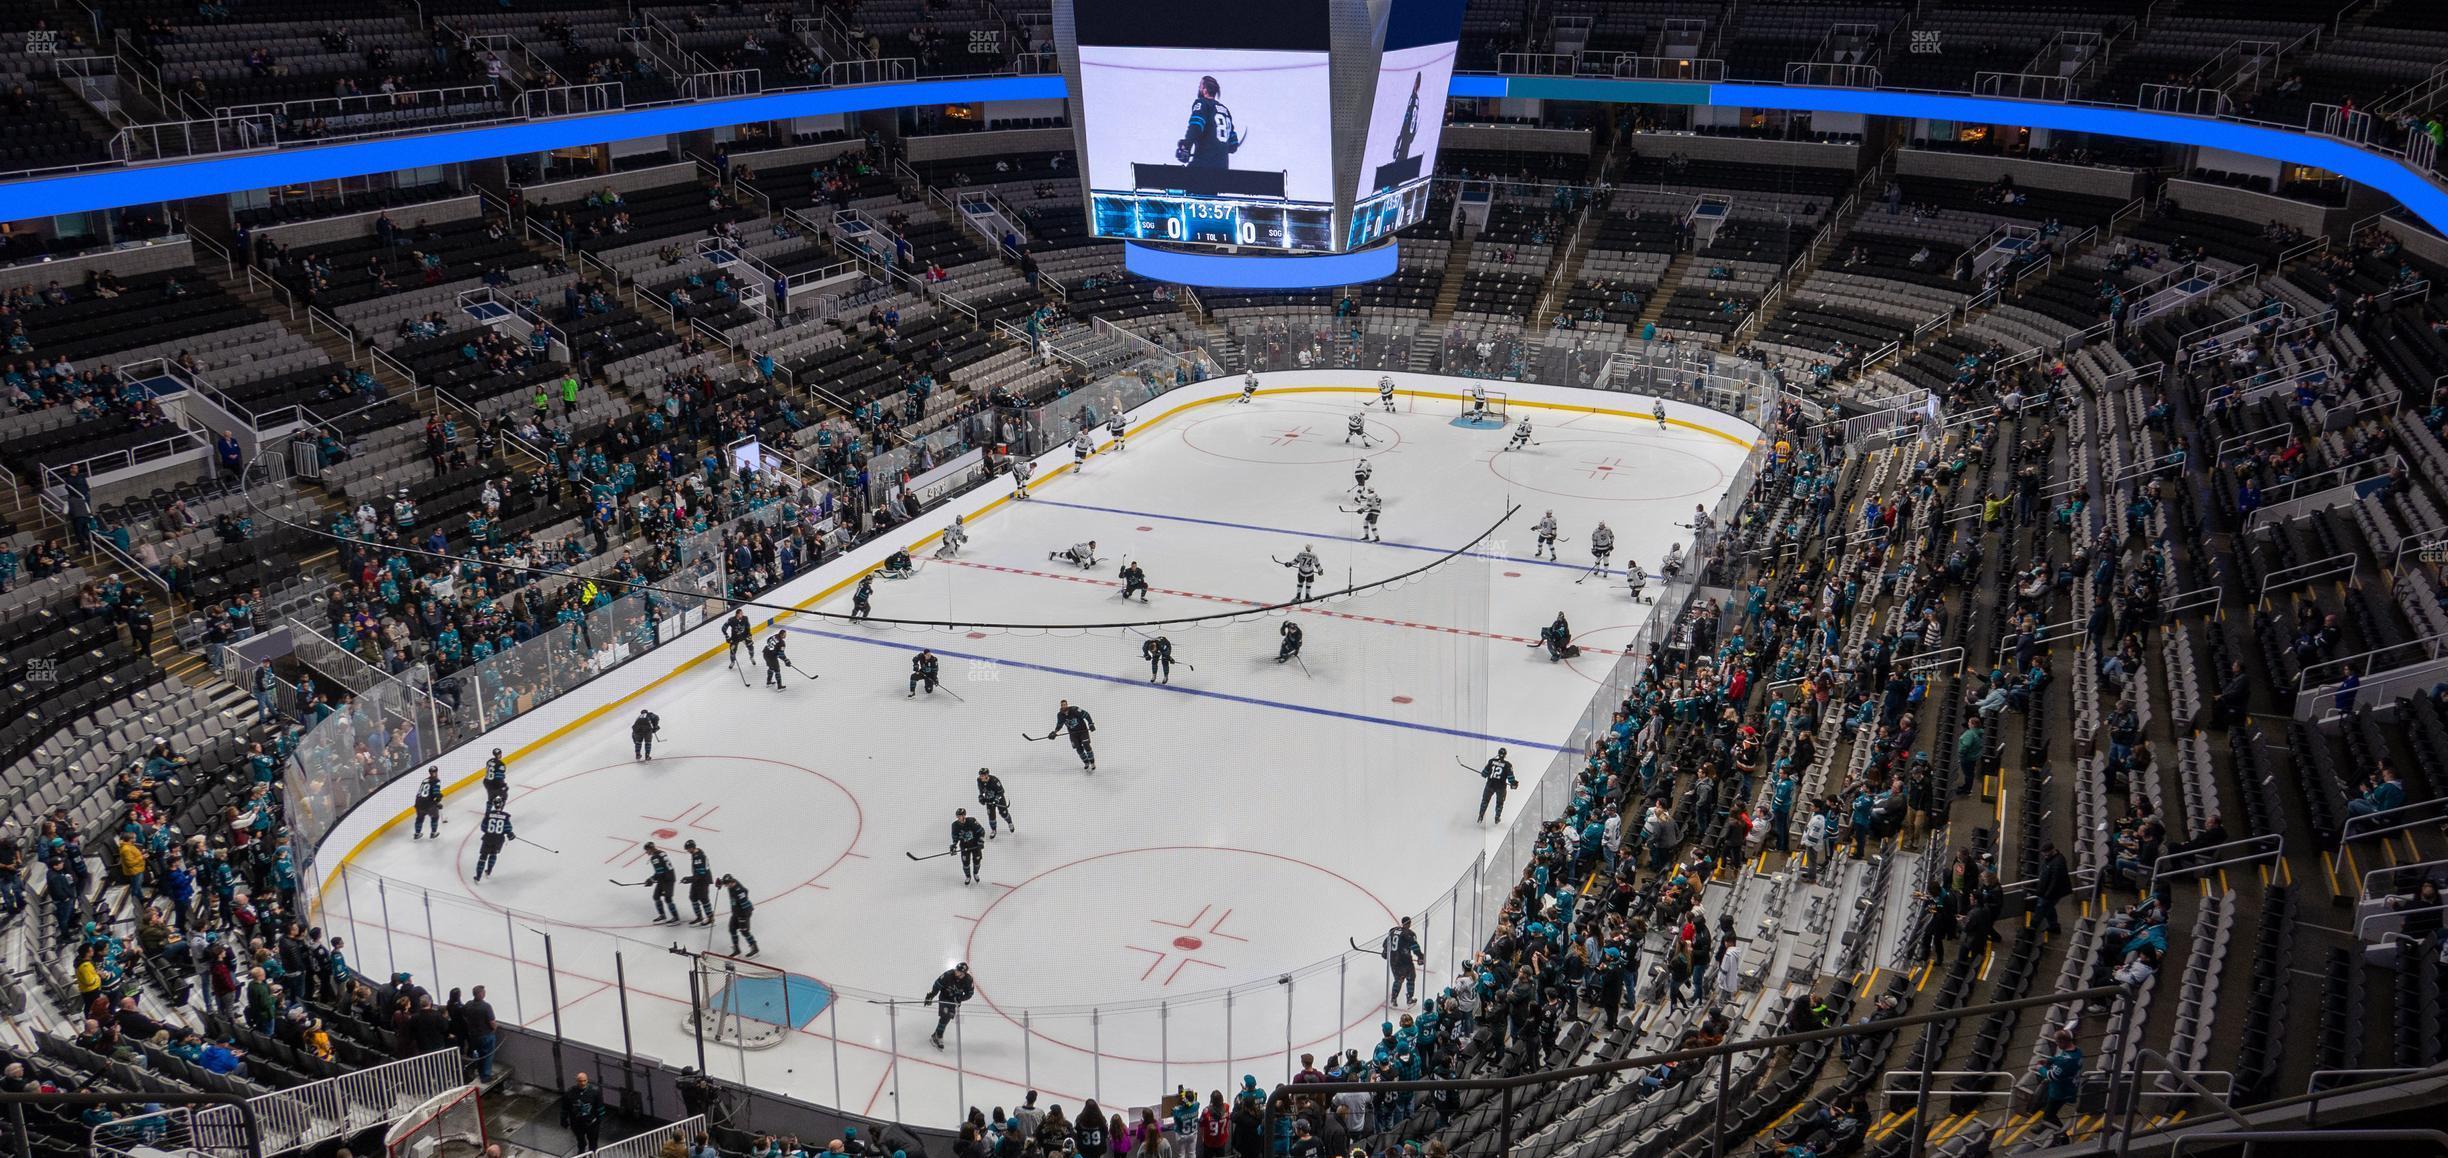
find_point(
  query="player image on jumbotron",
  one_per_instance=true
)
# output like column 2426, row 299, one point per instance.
column 1410, row 125
column 1203, row 156
column 1210, row 139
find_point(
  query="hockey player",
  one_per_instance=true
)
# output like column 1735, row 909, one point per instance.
column 1636, row 581
column 898, row 566
column 1672, row 565
column 1361, row 473
column 1077, row 722
column 969, row 840
column 1208, row 138
column 1357, row 427
column 949, row 990
column 1701, row 523
column 1371, row 506
column 1081, row 447
column 496, row 831
column 496, row 780
column 1546, row 529
column 1080, row 555
column 1249, row 387
column 1134, row 579
column 1118, row 430
column 1478, row 402
column 1657, row 410
column 1305, row 568
column 642, row 733
column 993, row 803
column 1602, row 549
column 701, row 885
column 1021, row 471
column 1497, row 775
column 743, row 913
column 660, row 878
column 1158, row 651
column 955, row 537
column 736, row 632
column 1557, row 637
column 429, row 804
column 1403, row 957
column 1521, row 434
column 1385, row 392
column 774, row 661
column 924, row 669
column 1290, row 650
column 862, row 600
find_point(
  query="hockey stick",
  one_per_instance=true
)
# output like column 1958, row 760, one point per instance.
column 628, row 884
column 1034, row 739
column 743, row 672
column 1358, row 948
column 795, row 667
column 545, row 847
column 1304, row 666
column 929, row 856
column 949, row 692
column 1468, row 768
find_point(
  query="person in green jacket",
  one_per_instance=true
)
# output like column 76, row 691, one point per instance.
column 569, row 395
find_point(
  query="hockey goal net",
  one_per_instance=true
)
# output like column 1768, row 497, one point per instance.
column 1494, row 414
column 448, row 1125
column 750, row 1004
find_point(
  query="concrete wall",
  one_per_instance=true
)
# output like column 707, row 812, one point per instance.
column 1517, row 139
column 172, row 253
column 1002, row 142
column 2254, row 209
column 1812, row 154
column 796, row 156
column 347, row 225
column 2418, row 241
column 2122, row 184
column 576, row 189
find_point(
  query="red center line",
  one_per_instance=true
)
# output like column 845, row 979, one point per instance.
column 1093, row 581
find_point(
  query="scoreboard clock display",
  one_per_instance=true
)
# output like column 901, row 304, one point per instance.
column 1171, row 217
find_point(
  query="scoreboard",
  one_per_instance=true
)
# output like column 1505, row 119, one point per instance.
column 1245, row 125
column 1176, row 217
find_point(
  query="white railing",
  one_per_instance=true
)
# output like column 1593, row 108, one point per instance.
column 569, row 100
column 318, row 1112
column 650, row 1143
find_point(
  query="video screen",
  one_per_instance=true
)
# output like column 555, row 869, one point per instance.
column 1406, row 117
column 1201, row 130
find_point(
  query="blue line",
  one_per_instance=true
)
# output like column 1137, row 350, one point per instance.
column 1561, row 566
column 1131, row 681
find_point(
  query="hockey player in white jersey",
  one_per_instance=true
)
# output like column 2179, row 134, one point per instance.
column 1385, row 392
column 1081, row 447
column 1081, row 555
column 1021, row 470
column 1602, row 546
column 1249, row 386
column 955, row 537
column 1478, row 401
column 1636, row 581
column 1360, row 475
column 1119, row 429
column 1546, row 529
column 1357, row 427
column 1672, row 565
column 1521, row 434
column 1305, row 570
column 1370, row 507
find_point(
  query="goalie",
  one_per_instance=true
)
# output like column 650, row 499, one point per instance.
column 1081, row 555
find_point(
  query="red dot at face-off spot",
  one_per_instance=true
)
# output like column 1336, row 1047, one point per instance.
column 1146, row 528
column 666, row 833
column 1512, row 574
column 1187, row 943
column 1402, row 699
column 977, row 635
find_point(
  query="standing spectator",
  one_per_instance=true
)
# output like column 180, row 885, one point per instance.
column 582, row 1111
column 2061, row 1077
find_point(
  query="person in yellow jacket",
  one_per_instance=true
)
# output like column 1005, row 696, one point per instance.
column 132, row 866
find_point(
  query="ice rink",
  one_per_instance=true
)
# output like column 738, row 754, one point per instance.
column 1178, row 916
